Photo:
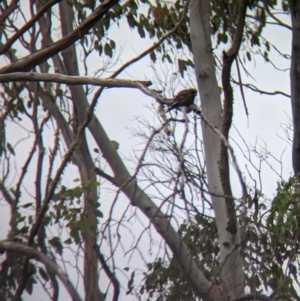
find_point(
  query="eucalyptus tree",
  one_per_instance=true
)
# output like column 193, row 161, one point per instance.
column 212, row 244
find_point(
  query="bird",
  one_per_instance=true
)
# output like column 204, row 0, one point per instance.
column 184, row 98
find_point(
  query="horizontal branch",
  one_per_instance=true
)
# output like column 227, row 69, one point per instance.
column 255, row 89
column 71, row 80
column 254, row 297
column 85, row 80
column 20, row 248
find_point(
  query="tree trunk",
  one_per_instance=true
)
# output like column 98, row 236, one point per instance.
column 295, row 81
column 231, row 265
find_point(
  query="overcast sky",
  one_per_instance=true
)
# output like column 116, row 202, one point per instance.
column 118, row 110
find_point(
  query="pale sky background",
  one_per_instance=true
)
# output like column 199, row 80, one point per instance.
column 118, row 110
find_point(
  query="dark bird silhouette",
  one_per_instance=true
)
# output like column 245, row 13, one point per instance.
column 184, row 98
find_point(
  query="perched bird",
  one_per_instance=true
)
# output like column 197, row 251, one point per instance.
column 184, row 98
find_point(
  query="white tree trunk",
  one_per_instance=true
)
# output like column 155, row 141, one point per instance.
column 231, row 265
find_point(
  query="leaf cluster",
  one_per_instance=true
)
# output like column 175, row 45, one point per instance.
column 165, row 280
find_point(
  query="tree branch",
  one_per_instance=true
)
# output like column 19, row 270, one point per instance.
column 84, row 80
column 111, row 275
column 255, row 89
column 228, row 58
column 40, row 56
column 71, row 80
column 6, row 245
column 8, row 10
column 155, row 45
column 37, row 16
column 254, row 297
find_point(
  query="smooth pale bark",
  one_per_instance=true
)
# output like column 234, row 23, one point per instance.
column 231, row 264
column 87, row 173
column 295, row 81
column 71, row 80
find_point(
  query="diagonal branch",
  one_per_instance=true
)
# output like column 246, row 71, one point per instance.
column 111, row 275
column 40, row 56
column 147, row 51
column 8, row 10
column 37, row 16
column 35, row 254
column 278, row 21
column 155, row 45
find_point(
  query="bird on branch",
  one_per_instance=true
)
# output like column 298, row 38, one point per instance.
column 184, row 98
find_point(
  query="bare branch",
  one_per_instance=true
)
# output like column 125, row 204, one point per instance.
column 71, row 80
column 37, row 16
column 8, row 10
column 35, row 254
column 255, row 89
column 109, row 274
column 229, row 147
column 155, row 45
column 278, row 21
column 40, row 56
column 84, row 80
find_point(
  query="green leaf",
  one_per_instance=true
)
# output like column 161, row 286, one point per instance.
column 112, row 44
column 182, row 67
column 75, row 192
column 130, row 283
column 55, row 242
column 108, row 50
column 43, row 274
column 29, row 285
column 115, row 144
column 266, row 56
column 131, row 21
column 106, row 22
column 68, row 241
column 153, row 56
column 150, row 266
column 10, row 148
column 248, row 56
column 75, row 234
column 98, row 213
column 100, row 49
column 117, row 9
column 141, row 31
column 30, row 219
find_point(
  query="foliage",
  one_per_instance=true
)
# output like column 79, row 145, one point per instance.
column 165, row 281
column 270, row 252
column 269, row 238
